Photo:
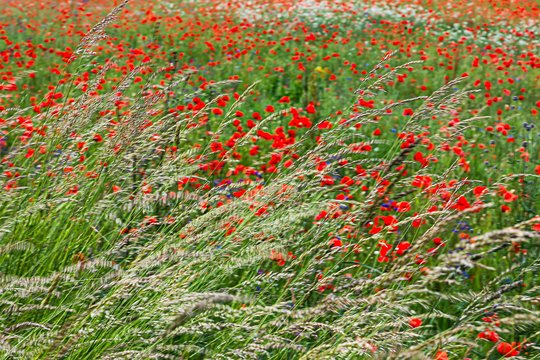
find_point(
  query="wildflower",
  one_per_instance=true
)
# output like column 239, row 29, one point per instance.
column 415, row 322
column 322, row 70
column 284, row 100
column 403, row 206
column 261, row 211
column 508, row 350
column 408, row 112
column 441, row 355
column 461, row 204
column 489, row 335
column 421, row 181
column 385, row 249
column 402, row 247
column 479, row 191
column 29, row 153
column 438, row 241
column 278, row 257
column 336, row 242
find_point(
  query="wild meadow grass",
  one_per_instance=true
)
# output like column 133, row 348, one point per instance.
column 154, row 207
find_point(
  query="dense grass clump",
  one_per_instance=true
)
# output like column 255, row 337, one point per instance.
column 174, row 210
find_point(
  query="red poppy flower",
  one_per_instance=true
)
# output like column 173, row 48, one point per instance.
column 402, row 247
column 403, row 206
column 29, row 153
column 461, row 204
column 335, row 242
column 489, row 335
column 415, row 322
column 284, row 100
column 385, row 249
column 479, row 191
column 408, row 112
column 507, row 349
column 441, row 355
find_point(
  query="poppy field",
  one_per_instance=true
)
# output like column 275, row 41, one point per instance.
column 269, row 179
